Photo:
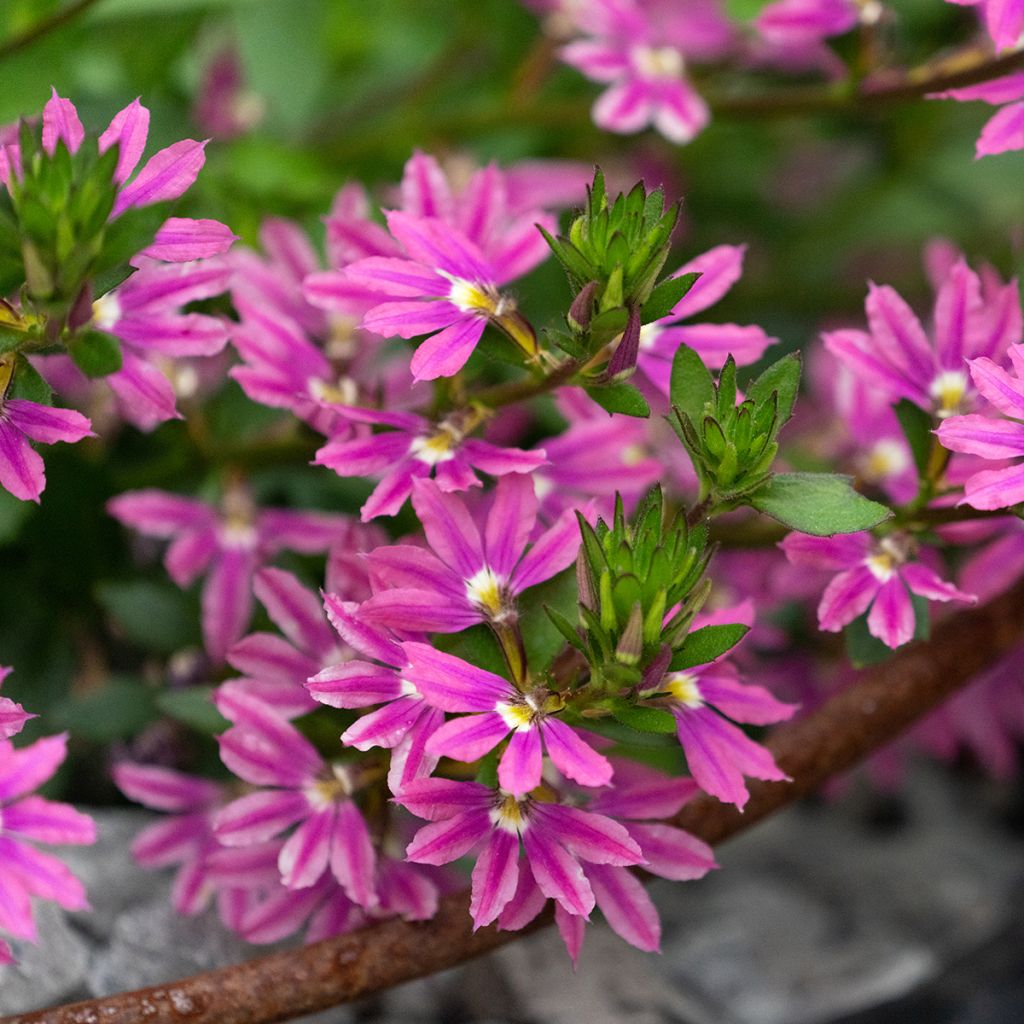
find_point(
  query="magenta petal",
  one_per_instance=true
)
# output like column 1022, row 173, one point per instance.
column 48, row 822
column 27, row 768
column 510, row 522
column 1006, row 393
column 401, row 278
column 451, row 684
column 495, row 877
column 843, row 551
column 145, row 396
column 271, row 658
column 553, row 551
column 846, row 597
column 60, row 121
column 526, row 902
column 354, row 684
column 353, row 860
column 626, row 906
column 180, row 239
column 557, row 872
column 227, row 600
column 45, row 424
column 469, row 737
column 995, row 488
column 166, row 175
column 296, row 611
column 259, row 816
column 441, row 842
column 672, row 853
column 21, row 468
column 719, row 268
column 163, row 789
column 891, row 618
column 304, row 856
column 624, row 107
column 1003, row 133
column 439, row 799
column 445, row 353
column 591, row 837
column 719, row 754
column 519, row 770
column 42, row 874
column 424, row 188
column 981, row 435
column 573, row 756
column 742, row 702
column 924, row 581
column 386, row 726
column 129, row 128
column 449, row 528
column 409, row 757
column 421, row 611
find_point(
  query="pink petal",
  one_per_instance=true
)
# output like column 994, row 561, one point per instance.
column 469, row 737
column 166, row 175
column 519, row 769
column 626, row 906
column 129, row 129
column 573, row 756
column 451, row 684
column 846, row 597
column 445, row 353
column 441, row 842
column 891, row 618
column 304, row 856
column 259, row 816
column 495, row 877
column 60, row 121
column 558, row 874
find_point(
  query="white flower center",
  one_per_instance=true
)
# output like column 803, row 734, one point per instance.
column 331, row 789
column 886, row 459
column 890, row 554
column 510, row 815
column 344, row 391
column 472, row 297
column 407, row 689
column 435, row 448
column 683, row 687
column 649, row 335
column 484, row 590
column 948, row 390
column 106, row 311
column 237, row 534
column 658, row 61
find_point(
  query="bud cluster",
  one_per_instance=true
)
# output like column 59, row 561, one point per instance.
column 640, row 585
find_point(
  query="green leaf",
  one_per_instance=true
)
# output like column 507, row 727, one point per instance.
column 707, row 643
column 29, row 384
column 643, row 719
column 96, row 354
column 782, row 377
column 621, row 398
column 542, row 635
column 122, row 708
column 917, row 428
column 194, row 707
column 663, row 299
column 692, row 386
column 821, row 504
column 156, row 616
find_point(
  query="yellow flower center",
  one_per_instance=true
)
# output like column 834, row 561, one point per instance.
column 106, row 311
column 683, row 687
column 343, row 392
column 887, row 458
column 509, row 816
column 484, row 590
column 658, row 61
column 435, row 448
column 948, row 390
column 330, row 789
column 469, row 297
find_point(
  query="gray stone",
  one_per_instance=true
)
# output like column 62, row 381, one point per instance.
column 52, row 971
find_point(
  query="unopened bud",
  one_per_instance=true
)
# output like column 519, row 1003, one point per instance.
column 582, row 308
column 631, row 643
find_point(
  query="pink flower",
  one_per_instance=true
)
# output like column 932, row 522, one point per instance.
column 414, row 448
column 332, row 835
column 451, row 684
column 640, row 48
column 898, row 357
column 719, row 268
column 12, row 716
column 557, row 841
column 21, row 421
column 639, row 793
column 445, row 288
column 1004, row 131
column 467, row 578
column 145, row 313
column 992, row 438
column 186, row 839
column 228, row 544
column 404, row 722
column 26, row 872
column 872, row 573
column 706, row 700
column 165, row 176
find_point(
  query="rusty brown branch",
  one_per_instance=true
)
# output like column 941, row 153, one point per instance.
column 852, row 724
